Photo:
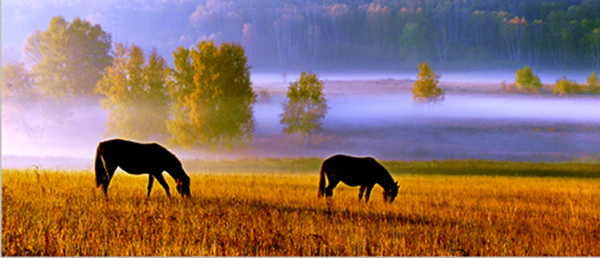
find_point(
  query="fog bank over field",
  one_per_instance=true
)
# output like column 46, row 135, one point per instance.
column 366, row 117
column 546, row 77
column 385, row 110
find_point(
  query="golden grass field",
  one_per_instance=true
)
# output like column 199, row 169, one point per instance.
column 243, row 212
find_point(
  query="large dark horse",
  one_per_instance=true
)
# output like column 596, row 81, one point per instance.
column 139, row 158
column 353, row 171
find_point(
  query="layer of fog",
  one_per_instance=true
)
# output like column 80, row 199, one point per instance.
column 383, row 124
column 546, row 77
column 385, row 110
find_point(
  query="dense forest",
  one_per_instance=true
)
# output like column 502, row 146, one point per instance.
column 334, row 34
column 459, row 33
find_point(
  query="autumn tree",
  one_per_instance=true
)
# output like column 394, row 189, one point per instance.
column 211, row 94
column 135, row 93
column 425, row 89
column 304, row 107
column 593, row 83
column 526, row 81
column 68, row 59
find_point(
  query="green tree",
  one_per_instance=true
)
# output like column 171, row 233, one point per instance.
column 565, row 87
column 68, row 59
column 526, row 81
column 211, row 94
column 561, row 31
column 425, row 89
column 412, row 41
column 135, row 93
column 593, row 39
column 305, row 106
column 593, row 83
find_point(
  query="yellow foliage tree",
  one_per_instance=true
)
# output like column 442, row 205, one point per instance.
column 566, row 87
column 68, row 58
column 593, row 83
column 425, row 89
column 212, row 96
column 526, row 81
column 135, row 94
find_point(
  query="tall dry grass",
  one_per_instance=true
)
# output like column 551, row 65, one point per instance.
column 49, row 212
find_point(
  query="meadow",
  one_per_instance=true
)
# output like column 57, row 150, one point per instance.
column 270, row 207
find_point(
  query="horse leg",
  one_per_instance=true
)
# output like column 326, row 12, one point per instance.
column 111, row 171
column 162, row 182
column 150, row 181
column 361, row 191
column 368, row 193
column 332, row 184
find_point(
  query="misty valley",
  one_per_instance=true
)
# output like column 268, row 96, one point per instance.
column 366, row 117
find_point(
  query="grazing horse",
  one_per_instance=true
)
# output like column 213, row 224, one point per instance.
column 354, row 171
column 139, row 158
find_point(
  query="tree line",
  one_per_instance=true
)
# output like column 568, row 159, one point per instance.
column 553, row 34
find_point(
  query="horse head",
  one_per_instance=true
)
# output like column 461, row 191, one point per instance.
column 391, row 192
column 183, row 186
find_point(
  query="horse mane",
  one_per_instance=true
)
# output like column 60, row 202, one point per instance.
column 383, row 171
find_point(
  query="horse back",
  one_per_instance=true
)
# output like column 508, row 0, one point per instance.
column 344, row 162
column 355, row 170
column 136, row 157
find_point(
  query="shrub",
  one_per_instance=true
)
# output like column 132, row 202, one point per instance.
column 509, row 88
column 566, row 87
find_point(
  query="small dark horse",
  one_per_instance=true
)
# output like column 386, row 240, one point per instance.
column 139, row 158
column 354, row 171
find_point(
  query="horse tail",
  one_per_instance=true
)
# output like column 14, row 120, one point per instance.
column 100, row 169
column 322, row 180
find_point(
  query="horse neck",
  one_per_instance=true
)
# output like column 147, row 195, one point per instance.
column 181, row 177
column 385, row 180
column 178, row 174
column 386, row 184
